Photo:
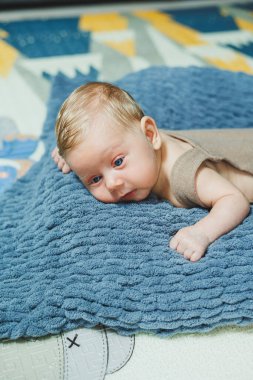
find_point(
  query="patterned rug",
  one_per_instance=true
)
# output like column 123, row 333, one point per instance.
column 33, row 51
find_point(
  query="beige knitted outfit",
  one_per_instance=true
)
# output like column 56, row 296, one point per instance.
column 232, row 145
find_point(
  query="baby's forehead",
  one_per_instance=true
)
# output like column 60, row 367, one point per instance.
column 102, row 119
column 112, row 119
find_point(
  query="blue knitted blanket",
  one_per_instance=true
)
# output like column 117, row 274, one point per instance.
column 67, row 260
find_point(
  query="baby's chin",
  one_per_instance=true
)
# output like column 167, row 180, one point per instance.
column 134, row 196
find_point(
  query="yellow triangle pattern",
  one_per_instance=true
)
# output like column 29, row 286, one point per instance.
column 239, row 63
column 8, row 57
column 180, row 34
column 174, row 30
column 244, row 24
column 126, row 47
column 103, row 22
column 152, row 16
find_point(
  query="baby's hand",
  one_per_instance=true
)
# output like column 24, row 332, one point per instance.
column 190, row 242
column 60, row 162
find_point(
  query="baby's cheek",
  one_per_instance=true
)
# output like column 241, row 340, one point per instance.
column 151, row 173
column 103, row 195
column 147, row 170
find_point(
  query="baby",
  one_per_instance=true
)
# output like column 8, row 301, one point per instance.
column 120, row 155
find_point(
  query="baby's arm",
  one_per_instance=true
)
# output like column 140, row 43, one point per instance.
column 60, row 162
column 228, row 209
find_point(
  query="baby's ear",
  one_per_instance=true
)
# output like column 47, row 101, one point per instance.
column 150, row 130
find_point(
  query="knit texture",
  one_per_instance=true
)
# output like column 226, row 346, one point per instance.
column 67, row 260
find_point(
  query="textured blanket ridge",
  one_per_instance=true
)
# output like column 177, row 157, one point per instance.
column 68, row 260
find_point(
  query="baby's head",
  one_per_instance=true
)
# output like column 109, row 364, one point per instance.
column 107, row 141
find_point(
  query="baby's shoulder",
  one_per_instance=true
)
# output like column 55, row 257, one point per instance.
column 175, row 146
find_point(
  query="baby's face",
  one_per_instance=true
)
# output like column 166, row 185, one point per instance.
column 116, row 165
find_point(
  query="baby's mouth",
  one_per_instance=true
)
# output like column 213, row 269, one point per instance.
column 129, row 195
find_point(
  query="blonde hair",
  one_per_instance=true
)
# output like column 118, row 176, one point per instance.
column 87, row 101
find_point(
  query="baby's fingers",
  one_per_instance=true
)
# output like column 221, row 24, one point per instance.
column 55, row 152
column 66, row 169
column 188, row 253
column 60, row 163
column 185, row 250
column 57, row 158
column 174, row 243
column 196, row 256
column 63, row 166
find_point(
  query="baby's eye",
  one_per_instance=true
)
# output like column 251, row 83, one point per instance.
column 95, row 179
column 119, row 161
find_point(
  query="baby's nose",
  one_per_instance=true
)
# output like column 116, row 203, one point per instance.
column 113, row 183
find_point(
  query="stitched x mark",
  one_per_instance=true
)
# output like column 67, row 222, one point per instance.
column 73, row 342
